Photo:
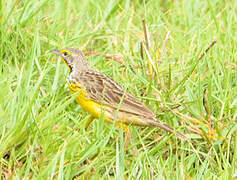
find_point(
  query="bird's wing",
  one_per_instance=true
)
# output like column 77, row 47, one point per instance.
column 105, row 90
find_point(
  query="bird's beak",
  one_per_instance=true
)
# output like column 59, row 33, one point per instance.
column 55, row 51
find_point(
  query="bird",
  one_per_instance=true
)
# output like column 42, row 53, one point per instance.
column 100, row 95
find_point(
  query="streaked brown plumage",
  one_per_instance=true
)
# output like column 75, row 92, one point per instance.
column 101, row 94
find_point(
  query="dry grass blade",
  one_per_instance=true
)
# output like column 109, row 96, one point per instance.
column 164, row 46
column 209, row 47
column 147, row 40
column 141, row 50
column 189, row 118
column 43, row 92
column 207, row 108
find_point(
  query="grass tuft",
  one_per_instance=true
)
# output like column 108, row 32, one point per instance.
column 41, row 126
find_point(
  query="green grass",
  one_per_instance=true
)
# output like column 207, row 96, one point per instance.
column 41, row 126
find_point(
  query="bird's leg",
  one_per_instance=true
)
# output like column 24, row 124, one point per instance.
column 88, row 122
column 127, row 136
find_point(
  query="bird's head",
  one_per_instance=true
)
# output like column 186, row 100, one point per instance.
column 73, row 58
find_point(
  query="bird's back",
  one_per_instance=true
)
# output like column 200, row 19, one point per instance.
column 105, row 91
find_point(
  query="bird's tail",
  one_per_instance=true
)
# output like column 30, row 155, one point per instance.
column 168, row 128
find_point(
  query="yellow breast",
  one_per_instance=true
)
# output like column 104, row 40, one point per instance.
column 92, row 107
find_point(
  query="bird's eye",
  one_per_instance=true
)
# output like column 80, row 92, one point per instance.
column 65, row 53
